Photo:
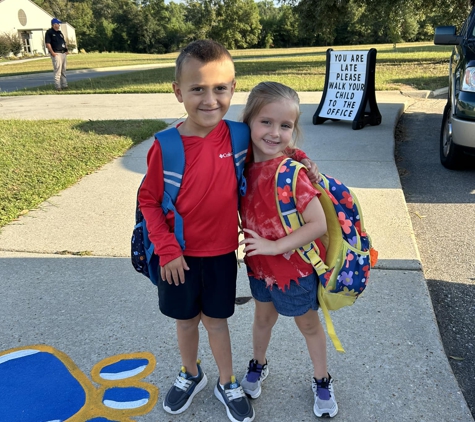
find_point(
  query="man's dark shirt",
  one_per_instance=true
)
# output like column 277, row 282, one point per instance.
column 56, row 39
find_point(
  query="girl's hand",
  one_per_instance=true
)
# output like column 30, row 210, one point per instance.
column 256, row 245
column 312, row 170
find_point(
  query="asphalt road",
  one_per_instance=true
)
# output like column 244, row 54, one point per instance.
column 441, row 203
column 9, row 84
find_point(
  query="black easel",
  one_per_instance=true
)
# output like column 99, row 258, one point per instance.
column 368, row 112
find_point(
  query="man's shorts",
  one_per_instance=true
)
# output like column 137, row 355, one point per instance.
column 210, row 287
column 295, row 301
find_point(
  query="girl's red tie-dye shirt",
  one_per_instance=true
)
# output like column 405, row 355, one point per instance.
column 259, row 213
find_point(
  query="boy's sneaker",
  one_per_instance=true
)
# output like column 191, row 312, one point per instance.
column 325, row 402
column 256, row 373
column 238, row 406
column 180, row 396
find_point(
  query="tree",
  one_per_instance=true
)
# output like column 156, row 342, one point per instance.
column 320, row 18
column 82, row 18
column 287, row 30
column 269, row 16
column 178, row 31
column 58, row 8
column 237, row 23
column 126, row 20
column 201, row 15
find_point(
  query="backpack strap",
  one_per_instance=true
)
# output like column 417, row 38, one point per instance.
column 286, row 181
column 240, row 136
column 285, row 186
column 173, row 160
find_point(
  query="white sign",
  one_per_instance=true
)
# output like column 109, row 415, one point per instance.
column 346, row 83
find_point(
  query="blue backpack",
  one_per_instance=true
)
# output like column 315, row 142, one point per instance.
column 349, row 254
column 173, row 157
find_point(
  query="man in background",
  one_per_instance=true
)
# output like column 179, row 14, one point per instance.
column 56, row 45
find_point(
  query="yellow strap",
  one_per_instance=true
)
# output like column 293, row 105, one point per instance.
column 294, row 220
column 310, row 256
column 328, row 322
column 317, row 262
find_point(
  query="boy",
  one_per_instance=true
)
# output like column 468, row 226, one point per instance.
column 200, row 286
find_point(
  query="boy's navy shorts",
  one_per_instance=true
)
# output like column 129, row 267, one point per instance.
column 210, row 287
column 295, row 301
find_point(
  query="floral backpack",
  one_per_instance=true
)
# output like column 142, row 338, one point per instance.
column 349, row 255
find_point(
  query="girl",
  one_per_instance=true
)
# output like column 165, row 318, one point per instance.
column 281, row 282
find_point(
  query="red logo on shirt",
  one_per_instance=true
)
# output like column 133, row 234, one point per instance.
column 228, row 154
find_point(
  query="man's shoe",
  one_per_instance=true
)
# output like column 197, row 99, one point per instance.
column 325, row 402
column 180, row 396
column 238, row 406
column 256, row 373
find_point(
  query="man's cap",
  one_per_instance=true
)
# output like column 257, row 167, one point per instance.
column 54, row 20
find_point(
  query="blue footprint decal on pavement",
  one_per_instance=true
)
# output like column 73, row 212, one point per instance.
column 42, row 384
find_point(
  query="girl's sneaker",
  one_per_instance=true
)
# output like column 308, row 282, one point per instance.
column 325, row 402
column 181, row 394
column 256, row 373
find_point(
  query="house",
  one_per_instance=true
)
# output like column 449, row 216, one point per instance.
column 30, row 22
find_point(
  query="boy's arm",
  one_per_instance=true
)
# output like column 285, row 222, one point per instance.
column 297, row 155
column 300, row 156
column 150, row 198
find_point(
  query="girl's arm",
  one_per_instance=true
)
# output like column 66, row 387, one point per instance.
column 315, row 226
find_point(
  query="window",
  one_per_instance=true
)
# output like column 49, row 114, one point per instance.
column 22, row 17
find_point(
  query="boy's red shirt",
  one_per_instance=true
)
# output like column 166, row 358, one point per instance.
column 207, row 200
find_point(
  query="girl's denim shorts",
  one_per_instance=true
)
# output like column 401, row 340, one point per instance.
column 297, row 300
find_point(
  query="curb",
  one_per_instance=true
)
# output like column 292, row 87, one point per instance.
column 439, row 92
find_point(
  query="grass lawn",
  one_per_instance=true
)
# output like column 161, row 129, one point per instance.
column 41, row 158
column 408, row 66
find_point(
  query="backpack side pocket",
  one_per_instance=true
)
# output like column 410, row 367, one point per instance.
column 342, row 284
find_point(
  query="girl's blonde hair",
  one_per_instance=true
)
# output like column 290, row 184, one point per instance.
column 269, row 92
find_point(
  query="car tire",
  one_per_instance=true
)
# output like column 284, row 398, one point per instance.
column 451, row 155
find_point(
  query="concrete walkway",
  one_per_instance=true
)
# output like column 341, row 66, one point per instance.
column 92, row 307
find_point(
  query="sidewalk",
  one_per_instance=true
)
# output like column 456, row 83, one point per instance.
column 96, row 306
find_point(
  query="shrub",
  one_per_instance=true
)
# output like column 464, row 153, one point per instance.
column 16, row 45
column 71, row 44
column 5, row 48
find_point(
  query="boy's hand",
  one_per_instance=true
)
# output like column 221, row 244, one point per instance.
column 174, row 271
column 257, row 245
column 312, row 173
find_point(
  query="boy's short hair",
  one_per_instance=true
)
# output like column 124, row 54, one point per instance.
column 203, row 50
